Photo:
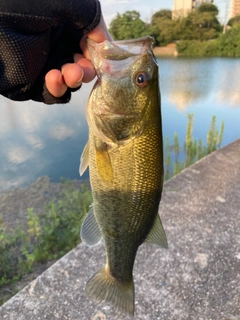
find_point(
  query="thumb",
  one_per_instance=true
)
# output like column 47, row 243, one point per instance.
column 99, row 34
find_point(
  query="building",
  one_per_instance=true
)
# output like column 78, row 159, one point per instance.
column 182, row 7
column 234, row 8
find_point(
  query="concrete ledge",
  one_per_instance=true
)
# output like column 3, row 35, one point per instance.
column 169, row 50
column 197, row 278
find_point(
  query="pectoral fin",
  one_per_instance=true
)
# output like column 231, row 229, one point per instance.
column 103, row 161
column 90, row 232
column 84, row 160
column 157, row 234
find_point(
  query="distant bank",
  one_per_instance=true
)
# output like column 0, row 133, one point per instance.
column 169, row 50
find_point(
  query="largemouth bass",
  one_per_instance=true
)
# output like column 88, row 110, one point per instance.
column 125, row 159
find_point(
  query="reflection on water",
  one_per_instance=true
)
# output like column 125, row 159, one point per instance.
column 38, row 139
column 186, row 82
column 230, row 84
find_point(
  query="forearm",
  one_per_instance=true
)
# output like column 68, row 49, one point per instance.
column 83, row 14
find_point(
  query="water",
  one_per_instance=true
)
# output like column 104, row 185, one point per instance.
column 38, row 139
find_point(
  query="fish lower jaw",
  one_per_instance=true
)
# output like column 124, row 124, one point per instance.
column 115, row 115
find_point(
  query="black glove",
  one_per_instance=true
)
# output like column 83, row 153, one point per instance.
column 37, row 36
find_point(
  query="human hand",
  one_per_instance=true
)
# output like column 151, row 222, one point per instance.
column 82, row 70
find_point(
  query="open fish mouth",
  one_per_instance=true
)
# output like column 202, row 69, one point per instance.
column 114, row 57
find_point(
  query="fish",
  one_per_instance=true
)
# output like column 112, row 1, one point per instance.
column 124, row 154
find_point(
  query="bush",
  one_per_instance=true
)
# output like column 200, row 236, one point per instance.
column 197, row 48
column 227, row 45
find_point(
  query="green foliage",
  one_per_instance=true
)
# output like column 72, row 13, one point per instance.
column 161, row 27
column 197, row 34
column 197, row 48
column 9, row 251
column 193, row 149
column 202, row 25
column 166, row 34
column 208, row 7
column 228, row 44
column 127, row 26
column 49, row 236
column 166, row 14
column 198, row 25
column 234, row 21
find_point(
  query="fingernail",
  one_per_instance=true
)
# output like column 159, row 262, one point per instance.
column 79, row 82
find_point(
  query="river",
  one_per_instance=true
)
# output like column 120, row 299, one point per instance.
column 38, row 140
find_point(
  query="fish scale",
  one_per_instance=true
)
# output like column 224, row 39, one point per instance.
column 125, row 159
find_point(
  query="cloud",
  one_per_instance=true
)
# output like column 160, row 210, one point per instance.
column 34, row 141
column 61, row 132
column 18, row 155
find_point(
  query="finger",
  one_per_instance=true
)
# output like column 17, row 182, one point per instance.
column 72, row 74
column 87, row 66
column 84, row 48
column 100, row 33
column 55, row 83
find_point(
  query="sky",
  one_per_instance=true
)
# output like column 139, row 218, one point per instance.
column 147, row 8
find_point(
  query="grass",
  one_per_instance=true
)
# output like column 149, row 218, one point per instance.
column 192, row 150
column 56, row 231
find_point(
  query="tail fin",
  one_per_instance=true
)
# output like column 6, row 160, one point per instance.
column 102, row 286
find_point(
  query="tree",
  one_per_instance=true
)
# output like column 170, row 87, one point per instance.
column 200, row 24
column 209, row 14
column 164, row 13
column 127, row 26
column 229, row 43
column 234, row 21
column 208, row 7
column 162, row 27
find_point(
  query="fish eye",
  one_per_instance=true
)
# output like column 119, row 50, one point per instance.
column 142, row 79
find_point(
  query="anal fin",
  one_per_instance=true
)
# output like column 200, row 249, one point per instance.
column 157, row 234
column 90, row 232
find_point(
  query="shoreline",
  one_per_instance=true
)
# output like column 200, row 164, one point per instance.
column 14, row 203
column 169, row 50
